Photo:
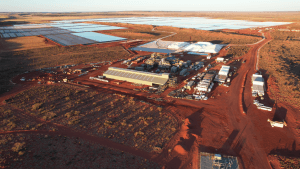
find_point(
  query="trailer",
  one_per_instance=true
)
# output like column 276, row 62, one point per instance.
column 265, row 108
column 280, row 124
column 99, row 79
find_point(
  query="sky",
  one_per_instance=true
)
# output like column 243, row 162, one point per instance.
column 146, row 5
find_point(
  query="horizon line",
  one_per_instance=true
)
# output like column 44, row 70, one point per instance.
column 141, row 11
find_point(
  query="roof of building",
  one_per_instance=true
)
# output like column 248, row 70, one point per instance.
column 205, row 47
column 257, row 78
column 190, row 83
column 136, row 76
column 208, row 76
column 224, row 70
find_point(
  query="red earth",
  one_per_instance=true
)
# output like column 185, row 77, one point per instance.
column 229, row 123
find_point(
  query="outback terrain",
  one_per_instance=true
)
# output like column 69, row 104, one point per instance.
column 91, row 124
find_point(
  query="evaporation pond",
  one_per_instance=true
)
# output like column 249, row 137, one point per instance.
column 99, row 37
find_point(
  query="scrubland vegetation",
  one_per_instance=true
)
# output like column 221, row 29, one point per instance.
column 280, row 59
column 285, row 35
column 207, row 36
column 119, row 118
column 46, row 151
column 143, row 32
column 237, row 51
column 12, row 119
column 7, row 119
column 288, row 162
column 16, row 62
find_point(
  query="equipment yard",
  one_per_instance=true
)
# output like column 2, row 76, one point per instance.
column 98, row 100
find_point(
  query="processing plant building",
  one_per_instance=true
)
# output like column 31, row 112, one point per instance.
column 139, row 77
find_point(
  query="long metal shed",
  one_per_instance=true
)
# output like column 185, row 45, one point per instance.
column 134, row 76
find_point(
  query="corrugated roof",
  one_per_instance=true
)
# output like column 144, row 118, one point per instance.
column 134, row 76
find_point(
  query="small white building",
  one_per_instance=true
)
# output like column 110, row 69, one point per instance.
column 223, row 74
column 219, row 59
column 258, row 86
column 277, row 123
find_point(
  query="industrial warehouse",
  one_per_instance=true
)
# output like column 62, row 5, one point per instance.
column 145, row 78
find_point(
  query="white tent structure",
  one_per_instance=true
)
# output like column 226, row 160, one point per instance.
column 203, row 47
column 178, row 45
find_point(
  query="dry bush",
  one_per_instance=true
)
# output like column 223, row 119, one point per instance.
column 288, row 162
column 36, row 106
column 280, row 59
column 11, row 120
column 118, row 123
column 143, row 32
column 237, row 51
column 284, row 35
column 208, row 36
column 17, row 62
column 48, row 151
column 18, row 146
